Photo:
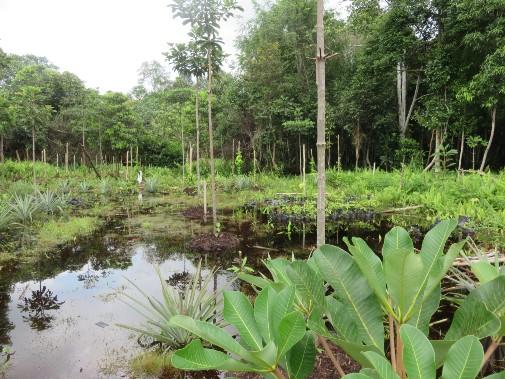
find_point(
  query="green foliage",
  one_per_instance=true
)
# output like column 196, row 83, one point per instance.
column 50, row 203
column 272, row 335
column 196, row 300
column 239, row 162
column 24, row 209
column 463, row 360
column 152, row 184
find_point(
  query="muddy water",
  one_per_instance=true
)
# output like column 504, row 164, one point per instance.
column 59, row 316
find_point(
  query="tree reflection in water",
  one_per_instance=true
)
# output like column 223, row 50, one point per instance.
column 36, row 306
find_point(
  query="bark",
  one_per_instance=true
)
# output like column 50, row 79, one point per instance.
column 211, row 142
column 321, row 124
column 491, row 136
column 401, row 89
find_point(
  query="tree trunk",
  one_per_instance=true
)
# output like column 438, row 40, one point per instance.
column 197, row 115
column 438, row 145
column 491, row 136
column 33, row 155
column 401, row 92
column 461, row 149
column 321, row 124
column 211, row 142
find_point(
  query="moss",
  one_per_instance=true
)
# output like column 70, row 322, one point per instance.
column 59, row 232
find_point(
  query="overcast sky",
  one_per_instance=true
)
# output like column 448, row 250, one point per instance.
column 104, row 42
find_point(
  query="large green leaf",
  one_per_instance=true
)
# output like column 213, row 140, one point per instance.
column 441, row 348
column 340, row 319
column 418, row 354
column 194, row 357
column 308, row 285
column 431, row 250
column 210, row 333
column 338, row 268
column 254, row 280
column 498, row 375
column 357, row 375
column 381, row 366
column 472, row 318
column 263, row 311
column 491, row 294
column 464, row 359
column 291, row 330
column 485, row 271
column 370, row 265
column 403, row 269
column 424, row 311
column 282, row 306
column 302, row 357
column 442, row 265
column 238, row 311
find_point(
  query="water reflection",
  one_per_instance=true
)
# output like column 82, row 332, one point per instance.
column 38, row 306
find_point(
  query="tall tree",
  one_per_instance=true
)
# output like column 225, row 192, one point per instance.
column 321, row 124
column 189, row 60
column 205, row 17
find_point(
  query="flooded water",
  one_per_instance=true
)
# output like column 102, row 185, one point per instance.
column 59, row 316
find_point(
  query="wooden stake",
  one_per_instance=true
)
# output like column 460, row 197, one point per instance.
column 66, row 157
column 17, row 156
column 74, row 161
column 57, row 160
column 205, row 197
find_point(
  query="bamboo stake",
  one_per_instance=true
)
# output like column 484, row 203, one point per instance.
column 205, row 197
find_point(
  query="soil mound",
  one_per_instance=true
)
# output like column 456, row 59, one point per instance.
column 209, row 243
column 196, row 213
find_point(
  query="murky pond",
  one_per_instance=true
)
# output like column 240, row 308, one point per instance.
column 59, row 317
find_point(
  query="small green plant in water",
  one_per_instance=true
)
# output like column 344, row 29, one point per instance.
column 196, row 300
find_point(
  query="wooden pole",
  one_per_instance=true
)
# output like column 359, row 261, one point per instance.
column 205, row 197
column 17, row 156
column 57, row 160
column 303, row 169
column 74, row 161
column 66, row 157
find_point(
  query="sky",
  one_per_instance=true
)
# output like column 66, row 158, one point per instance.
column 104, row 42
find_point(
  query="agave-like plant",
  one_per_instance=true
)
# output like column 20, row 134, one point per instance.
column 64, row 186
column 152, row 185
column 84, row 186
column 23, row 209
column 5, row 216
column 196, row 300
column 50, row 203
column 104, row 186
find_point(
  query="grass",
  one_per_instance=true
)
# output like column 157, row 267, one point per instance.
column 151, row 364
column 440, row 196
column 59, row 232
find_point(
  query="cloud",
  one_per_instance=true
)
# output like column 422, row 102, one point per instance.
column 104, row 42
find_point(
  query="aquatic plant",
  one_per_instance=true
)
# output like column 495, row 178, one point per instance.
column 152, row 184
column 152, row 363
column 196, row 300
column 23, row 209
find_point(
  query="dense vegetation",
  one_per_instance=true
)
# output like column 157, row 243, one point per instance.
column 407, row 81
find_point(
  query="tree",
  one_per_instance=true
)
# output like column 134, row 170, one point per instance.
column 321, row 124
column 189, row 60
column 205, row 16
column 5, row 122
column 31, row 112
